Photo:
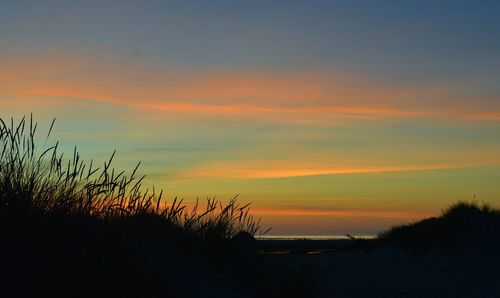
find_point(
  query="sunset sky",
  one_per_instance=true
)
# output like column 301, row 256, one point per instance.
column 331, row 117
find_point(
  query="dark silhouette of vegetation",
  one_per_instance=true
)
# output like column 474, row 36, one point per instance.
column 462, row 226
column 43, row 181
column 71, row 229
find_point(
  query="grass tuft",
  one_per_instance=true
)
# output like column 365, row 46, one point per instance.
column 44, row 182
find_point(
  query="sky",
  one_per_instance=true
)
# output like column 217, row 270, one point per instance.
column 332, row 117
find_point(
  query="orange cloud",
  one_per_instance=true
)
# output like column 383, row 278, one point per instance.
column 276, row 169
column 215, row 108
column 295, row 114
column 269, row 211
column 298, row 97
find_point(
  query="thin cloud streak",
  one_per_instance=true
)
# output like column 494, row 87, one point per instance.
column 258, row 111
column 256, row 170
column 296, row 212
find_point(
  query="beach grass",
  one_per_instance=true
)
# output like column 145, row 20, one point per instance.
column 45, row 182
column 70, row 228
column 459, row 227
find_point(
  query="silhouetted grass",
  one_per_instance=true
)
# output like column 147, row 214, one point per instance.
column 43, row 181
column 71, row 229
column 460, row 226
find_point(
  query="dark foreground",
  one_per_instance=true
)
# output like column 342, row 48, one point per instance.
column 395, row 272
column 76, row 266
column 79, row 265
column 455, row 255
column 137, row 256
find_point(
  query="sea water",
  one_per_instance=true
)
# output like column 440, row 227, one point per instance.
column 313, row 237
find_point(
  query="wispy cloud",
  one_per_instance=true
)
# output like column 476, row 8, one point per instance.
column 308, row 113
column 265, row 169
column 316, row 97
column 356, row 213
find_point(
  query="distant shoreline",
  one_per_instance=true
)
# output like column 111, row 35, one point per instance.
column 312, row 237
